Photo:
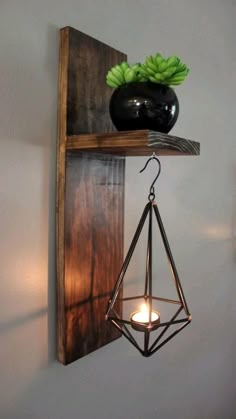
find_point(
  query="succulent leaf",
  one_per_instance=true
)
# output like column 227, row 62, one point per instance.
column 118, row 74
column 124, row 65
column 143, row 71
column 113, row 78
column 110, row 83
column 158, row 59
column 162, row 66
column 129, row 75
column 156, row 68
column 170, row 71
column 150, row 64
column 159, row 77
column 150, row 72
column 153, row 80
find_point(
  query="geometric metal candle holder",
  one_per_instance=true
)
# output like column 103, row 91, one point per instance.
column 148, row 320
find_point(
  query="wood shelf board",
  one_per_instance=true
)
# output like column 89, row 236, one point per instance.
column 134, row 143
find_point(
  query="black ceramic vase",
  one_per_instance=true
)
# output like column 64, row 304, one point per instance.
column 146, row 105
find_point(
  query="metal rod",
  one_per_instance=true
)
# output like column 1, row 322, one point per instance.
column 150, row 264
column 147, row 271
column 167, row 339
column 130, row 298
column 136, row 297
column 167, row 300
column 146, row 341
column 173, row 322
column 126, row 321
column 127, row 337
column 126, row 328
column 166, row 328
column 146, row 324
column 128, row 257
column 171, row 260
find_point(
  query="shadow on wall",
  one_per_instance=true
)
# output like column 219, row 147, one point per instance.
column 51, row 66
column 234, row 223
column 35, row 105
column 8, row 326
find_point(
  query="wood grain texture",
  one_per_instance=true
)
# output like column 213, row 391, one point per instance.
column 61, row 155
column 90, row 200
column 134, row 143
column 88, row 93
column 93, row 248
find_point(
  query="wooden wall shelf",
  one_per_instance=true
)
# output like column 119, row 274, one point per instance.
column 134, row 143
column 90, row 192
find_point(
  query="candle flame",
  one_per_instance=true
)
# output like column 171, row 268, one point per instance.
column 144, row 315
column 144, row 308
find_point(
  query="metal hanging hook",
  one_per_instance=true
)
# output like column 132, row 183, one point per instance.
column 151, row 195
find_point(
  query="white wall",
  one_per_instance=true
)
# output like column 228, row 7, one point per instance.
column 193, row 376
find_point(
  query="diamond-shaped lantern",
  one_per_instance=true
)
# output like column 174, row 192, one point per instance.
column 147, row 317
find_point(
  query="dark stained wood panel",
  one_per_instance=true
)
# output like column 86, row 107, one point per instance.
column 60, row 210
column 93, row 248
column 90, row 199
column 134, row 143
column 88, row 94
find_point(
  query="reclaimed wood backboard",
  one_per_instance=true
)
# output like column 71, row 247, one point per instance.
column 90, row 199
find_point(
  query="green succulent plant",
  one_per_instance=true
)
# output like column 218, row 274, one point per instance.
column 168, row 71
column 124, row 73
column 157, row 69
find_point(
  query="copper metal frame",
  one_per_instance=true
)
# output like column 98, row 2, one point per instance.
column 125, row 326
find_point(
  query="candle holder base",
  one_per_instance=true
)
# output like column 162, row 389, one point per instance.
column 145, row 326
